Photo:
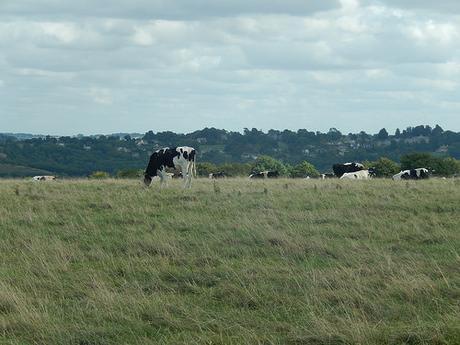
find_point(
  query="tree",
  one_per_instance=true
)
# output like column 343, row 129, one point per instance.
column 204, row 169
column 447, row 167
column 334, row 134
column 264, row 163
column 383, row 134
column 384, row 167
column 437, row 131
column 397, row 133
column 304, row 169
column 416, row 160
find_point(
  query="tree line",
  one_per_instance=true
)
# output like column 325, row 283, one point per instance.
column 234, row 152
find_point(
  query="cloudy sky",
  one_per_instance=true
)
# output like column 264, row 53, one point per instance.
column 69, row 67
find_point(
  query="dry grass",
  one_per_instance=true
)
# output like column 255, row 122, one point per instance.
column 235, row 262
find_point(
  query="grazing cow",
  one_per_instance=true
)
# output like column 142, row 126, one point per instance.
column 412, row 174
column 340, row 169
column 359, row 175
column 44, row 178
column 265, row 174
column 181, row 158
column 217, row 175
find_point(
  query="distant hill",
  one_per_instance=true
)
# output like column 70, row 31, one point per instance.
column 9, row 170
column 81, row 155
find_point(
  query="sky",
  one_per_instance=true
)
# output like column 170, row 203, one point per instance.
column 70, row 67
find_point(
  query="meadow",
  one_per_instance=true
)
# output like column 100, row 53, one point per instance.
column 230, row 262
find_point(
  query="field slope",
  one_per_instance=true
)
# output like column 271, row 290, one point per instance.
column 236, row 262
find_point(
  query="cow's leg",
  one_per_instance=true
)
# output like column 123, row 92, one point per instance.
column 163, row 178
column 186, row 174
column 190, row 174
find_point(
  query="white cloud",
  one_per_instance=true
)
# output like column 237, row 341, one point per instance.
column 231, row 64
column 101, row 95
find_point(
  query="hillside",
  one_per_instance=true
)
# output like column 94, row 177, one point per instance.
column 78, row 156
column 238, row 262
column 9, row 170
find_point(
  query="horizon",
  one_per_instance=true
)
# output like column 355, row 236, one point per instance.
column 390, row 131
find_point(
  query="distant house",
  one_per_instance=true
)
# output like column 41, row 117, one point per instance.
column 443, row 149
column 417, row 140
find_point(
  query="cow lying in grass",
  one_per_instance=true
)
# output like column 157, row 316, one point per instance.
column 359, row 175
column 412, row 174
column 44, row 178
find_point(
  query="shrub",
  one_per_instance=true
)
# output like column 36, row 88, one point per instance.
column 129, row 173
column 384, row 167
column 304, row 169
column 264, row 163
column 99, row 175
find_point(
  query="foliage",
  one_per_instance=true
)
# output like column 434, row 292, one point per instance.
column 130, row 173
column 205, row 168
column 304, row 169
column 259, row 262
column 235, row 169
column 264, row 163
column 384, row 167
column 416, row 160
column 99, row 175
column 81, row 155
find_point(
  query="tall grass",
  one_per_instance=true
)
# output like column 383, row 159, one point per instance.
column 230, row 262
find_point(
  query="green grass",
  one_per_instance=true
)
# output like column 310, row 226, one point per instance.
column 237, row 262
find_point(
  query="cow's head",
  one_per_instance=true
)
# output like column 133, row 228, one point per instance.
column 372, row 172
column 147, row 180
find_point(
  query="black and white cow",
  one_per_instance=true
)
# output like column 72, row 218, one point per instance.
column 181, row 158
column 412, row 174
column 44, row 178
column 359, row 175
column 340, row 169
column 217, row 175
column 265, row 174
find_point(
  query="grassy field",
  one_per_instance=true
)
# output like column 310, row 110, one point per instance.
column 236, row 262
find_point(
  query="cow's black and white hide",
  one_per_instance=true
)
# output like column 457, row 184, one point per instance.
column 359, row 175
column 217, row 175
column 44, row 178
column 265, row 174
column 181, row 158
column 340, row 169
column 412, row 174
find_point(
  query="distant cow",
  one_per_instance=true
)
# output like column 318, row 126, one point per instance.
column 44, row 178
column 412, row 174
column 359, row 175
column 181, row 158
column 217, row 175
column 265, row 174
column 340, row 169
